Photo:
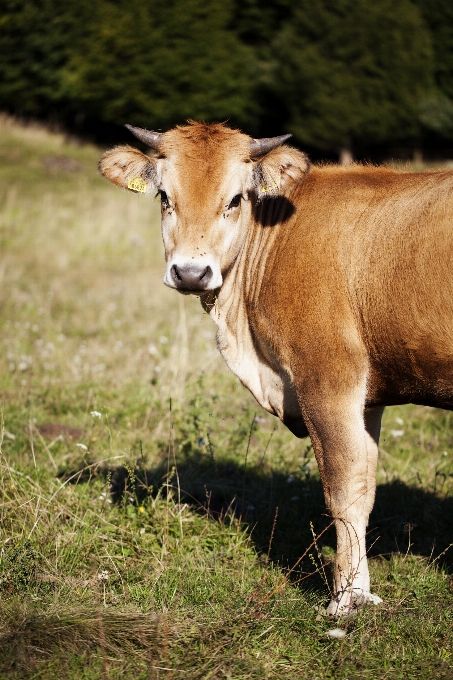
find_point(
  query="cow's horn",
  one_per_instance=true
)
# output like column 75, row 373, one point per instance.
column 153, row 139
column 258, row 147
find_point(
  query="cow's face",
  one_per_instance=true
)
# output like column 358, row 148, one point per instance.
column 206, row 176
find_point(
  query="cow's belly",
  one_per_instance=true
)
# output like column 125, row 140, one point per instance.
column 259, row 370
column 426, row 380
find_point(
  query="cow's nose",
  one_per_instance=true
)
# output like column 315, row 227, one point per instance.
column 191, row 276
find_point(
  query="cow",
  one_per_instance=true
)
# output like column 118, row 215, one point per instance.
column 331, row 289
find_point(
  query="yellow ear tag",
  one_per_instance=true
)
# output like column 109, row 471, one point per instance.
column 272, row 187
column 137, row 184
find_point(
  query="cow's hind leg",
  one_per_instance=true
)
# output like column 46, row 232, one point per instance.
column 345, row 443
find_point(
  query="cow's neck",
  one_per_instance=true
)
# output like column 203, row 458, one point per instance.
column 242, row 283
column 232, row 308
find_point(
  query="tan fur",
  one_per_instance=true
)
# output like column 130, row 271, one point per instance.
column 333, row 297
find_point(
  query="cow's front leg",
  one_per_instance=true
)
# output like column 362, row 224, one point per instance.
column 345, row 443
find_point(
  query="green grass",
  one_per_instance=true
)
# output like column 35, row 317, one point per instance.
column 202, row 562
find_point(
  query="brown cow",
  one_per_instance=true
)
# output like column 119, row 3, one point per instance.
column 331, row 289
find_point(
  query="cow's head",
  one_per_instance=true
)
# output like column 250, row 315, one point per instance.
column 206, row 176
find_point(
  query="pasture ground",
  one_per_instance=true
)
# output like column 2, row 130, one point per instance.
column 155, row 522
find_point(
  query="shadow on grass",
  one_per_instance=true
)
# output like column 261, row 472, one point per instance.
column 404, row 518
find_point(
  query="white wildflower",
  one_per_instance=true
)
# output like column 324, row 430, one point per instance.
column 103, row 575
column 400, row 421
column 82, row 446
column 96, row 414
column 336, row 633
column 397, row 433
column 152, row 350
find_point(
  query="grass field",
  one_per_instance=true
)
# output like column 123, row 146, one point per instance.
column 155, row 522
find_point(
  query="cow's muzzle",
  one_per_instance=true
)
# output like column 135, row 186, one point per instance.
column 191, row 277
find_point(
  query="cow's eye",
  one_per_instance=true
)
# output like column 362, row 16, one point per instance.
column 235, row 201
column 163, row 198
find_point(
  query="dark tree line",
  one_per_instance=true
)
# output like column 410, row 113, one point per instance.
column 339, row 75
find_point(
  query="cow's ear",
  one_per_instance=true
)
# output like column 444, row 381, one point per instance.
column 278, row 170
column 130, row 169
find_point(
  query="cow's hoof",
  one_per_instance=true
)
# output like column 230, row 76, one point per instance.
column 348, row 603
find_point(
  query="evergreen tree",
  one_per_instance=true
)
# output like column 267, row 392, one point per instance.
column 156, row 63
column 353, row 70
column 436, row 110
column 36, row 39
column 257, row 23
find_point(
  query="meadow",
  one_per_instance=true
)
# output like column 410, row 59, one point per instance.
column 155, row 522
